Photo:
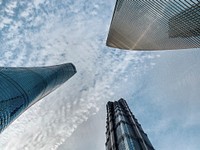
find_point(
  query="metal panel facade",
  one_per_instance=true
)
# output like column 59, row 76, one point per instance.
column 155, row 25
column 123, row 130
column 22, row 87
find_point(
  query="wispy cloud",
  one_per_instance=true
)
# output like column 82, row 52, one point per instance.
column 48, row 33
column 162, row 87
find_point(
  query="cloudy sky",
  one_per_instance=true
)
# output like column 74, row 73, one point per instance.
column 162, row 88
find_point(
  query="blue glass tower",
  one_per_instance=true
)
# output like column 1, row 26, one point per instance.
column 21, row 87
column 123, row 130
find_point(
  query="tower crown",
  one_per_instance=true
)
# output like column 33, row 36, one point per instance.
column 21, row 87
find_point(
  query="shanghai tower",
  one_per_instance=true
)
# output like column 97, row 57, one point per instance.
column 123, row 132
column 21, row 87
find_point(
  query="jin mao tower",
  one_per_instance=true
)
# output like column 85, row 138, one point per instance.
column 123, row 131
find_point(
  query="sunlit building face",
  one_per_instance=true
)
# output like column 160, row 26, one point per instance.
column 155, row 25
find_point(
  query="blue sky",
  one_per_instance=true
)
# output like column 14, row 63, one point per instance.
column 162, row 88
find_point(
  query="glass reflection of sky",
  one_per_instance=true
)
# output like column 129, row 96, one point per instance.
column 22, row 87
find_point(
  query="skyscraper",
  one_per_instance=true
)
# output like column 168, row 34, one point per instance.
column 155, row 25
column 123, row 132
column 186, row 23
column 21, row 87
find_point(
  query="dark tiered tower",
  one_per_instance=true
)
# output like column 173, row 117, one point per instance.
column 123, row 132
column 22, row 87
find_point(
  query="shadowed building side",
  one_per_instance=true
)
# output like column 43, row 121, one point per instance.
column 23, row 86
column 186, row 23
column 123, row 130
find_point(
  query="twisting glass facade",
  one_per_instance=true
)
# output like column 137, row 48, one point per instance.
column 123, row 132
column 155, row 25
column 21, row 87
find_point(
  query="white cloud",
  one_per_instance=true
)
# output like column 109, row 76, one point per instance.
column 75, row 31
column 58, row 35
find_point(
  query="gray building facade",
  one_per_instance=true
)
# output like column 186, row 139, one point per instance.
column 21, row 87
column 186, row 23
column 155, row 25
column 123, row 131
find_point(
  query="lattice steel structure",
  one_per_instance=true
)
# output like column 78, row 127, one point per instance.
column 155, row 25
column 123, row 132
column 21, row 87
